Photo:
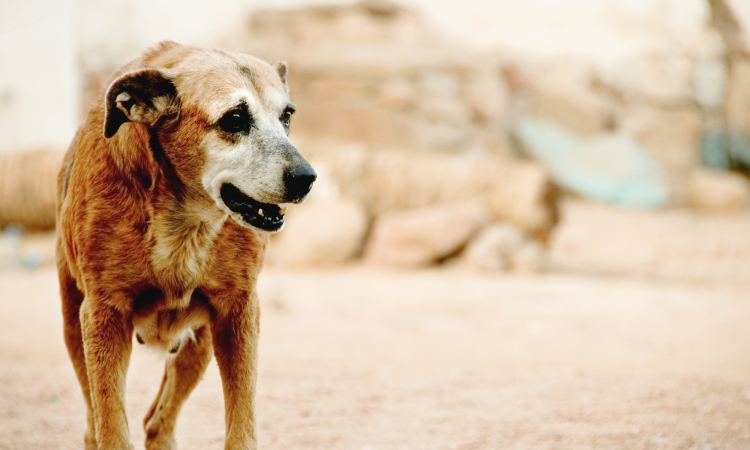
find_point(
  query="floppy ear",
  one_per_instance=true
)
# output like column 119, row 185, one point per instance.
column 282, row 69
column 145, row 96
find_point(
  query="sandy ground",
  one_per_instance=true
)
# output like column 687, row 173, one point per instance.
column 357, row 359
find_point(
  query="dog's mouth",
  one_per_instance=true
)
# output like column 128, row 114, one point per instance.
column 265, row 216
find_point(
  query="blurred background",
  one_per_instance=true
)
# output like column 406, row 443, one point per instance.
column 518, row 121
column 530, row 228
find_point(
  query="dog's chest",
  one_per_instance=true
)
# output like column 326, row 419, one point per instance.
column 180, row 254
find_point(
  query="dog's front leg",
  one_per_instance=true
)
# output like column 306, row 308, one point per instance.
column 235, row 338
column 107, row 342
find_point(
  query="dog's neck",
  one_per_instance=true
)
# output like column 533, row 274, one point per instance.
column 181, row 236
column 184, row 225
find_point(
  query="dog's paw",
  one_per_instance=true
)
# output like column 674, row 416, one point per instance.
column 161, row 442
column 89, row 441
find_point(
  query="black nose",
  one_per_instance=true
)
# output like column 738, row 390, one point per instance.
column 298, row 182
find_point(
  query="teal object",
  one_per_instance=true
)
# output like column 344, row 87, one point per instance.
column 739, row 150
column 715, row 150
column 722, row 149
column 610, row 168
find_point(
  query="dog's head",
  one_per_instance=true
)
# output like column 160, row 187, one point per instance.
column 222, row 121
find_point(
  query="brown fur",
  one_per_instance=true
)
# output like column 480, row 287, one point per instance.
column 141, row 245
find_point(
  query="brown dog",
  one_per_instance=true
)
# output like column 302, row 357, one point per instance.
column 166, row 198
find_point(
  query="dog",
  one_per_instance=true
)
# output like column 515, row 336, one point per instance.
column 166, row 199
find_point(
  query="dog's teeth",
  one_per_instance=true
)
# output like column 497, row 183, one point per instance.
column 260, row 212
column 283, row 209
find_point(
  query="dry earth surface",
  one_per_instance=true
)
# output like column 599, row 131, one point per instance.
column 358, row 359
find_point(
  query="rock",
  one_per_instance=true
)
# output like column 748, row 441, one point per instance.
column 500, row 247
column 710, row 80
column 443, row 109
column 611, row 168
column 397, row 95
column 487, row 96
column 326, row 230
column 493, row 248
column 381, row 76
column 738, row 97
column 383, row 181
column 417, row 238
column 656, row 76
column 530, row 258
column 564, row 97
column 719, row 191
column 671, row 135
column 320, row 234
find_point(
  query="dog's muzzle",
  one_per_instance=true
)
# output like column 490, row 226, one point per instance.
column 269, row 216
column 266, row 216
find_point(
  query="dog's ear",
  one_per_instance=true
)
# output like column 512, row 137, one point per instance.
column 146, row 96
column 282, row 69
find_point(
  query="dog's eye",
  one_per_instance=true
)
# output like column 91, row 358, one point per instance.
column 286, row 117
column 236, row 121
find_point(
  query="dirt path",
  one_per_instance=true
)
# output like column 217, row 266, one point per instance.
column 361, row 360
